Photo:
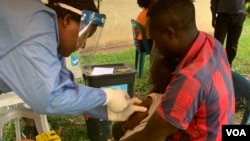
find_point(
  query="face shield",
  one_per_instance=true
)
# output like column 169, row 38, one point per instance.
column 90, row 28
column 91, row 24
column 89, row 35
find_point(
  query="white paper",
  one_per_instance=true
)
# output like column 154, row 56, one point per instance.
column 102, row 71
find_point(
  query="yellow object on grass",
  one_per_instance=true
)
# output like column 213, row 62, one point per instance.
column 48, row 136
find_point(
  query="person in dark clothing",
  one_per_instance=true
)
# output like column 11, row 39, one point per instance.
column 228, row 17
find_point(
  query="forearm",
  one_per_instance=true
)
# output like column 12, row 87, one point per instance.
column 157, row 129
column 62, row 98
column 78, row 100
column 47, row 88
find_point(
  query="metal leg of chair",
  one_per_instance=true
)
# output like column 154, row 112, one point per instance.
column 136, row 59
column 141, row 64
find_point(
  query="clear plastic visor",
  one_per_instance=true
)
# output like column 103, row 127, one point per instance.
column 91, row 23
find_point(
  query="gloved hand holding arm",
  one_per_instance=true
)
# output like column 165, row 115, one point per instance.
column 127, row 112
column 116, row 100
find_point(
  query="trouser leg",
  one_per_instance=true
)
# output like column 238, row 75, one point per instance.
column 221, row 28
column 233, row 36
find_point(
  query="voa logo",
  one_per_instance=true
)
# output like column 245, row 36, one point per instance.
column 236, row 132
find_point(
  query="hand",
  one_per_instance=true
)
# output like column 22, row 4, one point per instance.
column 125, row 114
column 117, row 100
column 137, row 117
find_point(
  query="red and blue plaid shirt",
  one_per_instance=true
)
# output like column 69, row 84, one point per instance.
column 200, row 96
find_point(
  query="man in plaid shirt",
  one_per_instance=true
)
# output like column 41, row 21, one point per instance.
column 200, row 96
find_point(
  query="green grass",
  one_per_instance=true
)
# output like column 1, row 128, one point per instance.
column 74, row 128
column 241, row 63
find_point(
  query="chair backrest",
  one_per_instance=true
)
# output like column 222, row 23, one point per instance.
column 135, row 27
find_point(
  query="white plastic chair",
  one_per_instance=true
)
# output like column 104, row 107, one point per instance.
column 12, row 108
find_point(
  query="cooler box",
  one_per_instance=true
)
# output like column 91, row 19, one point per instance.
column 123, row 77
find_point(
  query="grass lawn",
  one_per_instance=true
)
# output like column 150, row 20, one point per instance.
column 73, row 128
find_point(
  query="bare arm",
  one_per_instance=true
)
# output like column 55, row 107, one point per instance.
column 157, row 129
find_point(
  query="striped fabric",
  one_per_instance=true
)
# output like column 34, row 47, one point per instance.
column 200, row 96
